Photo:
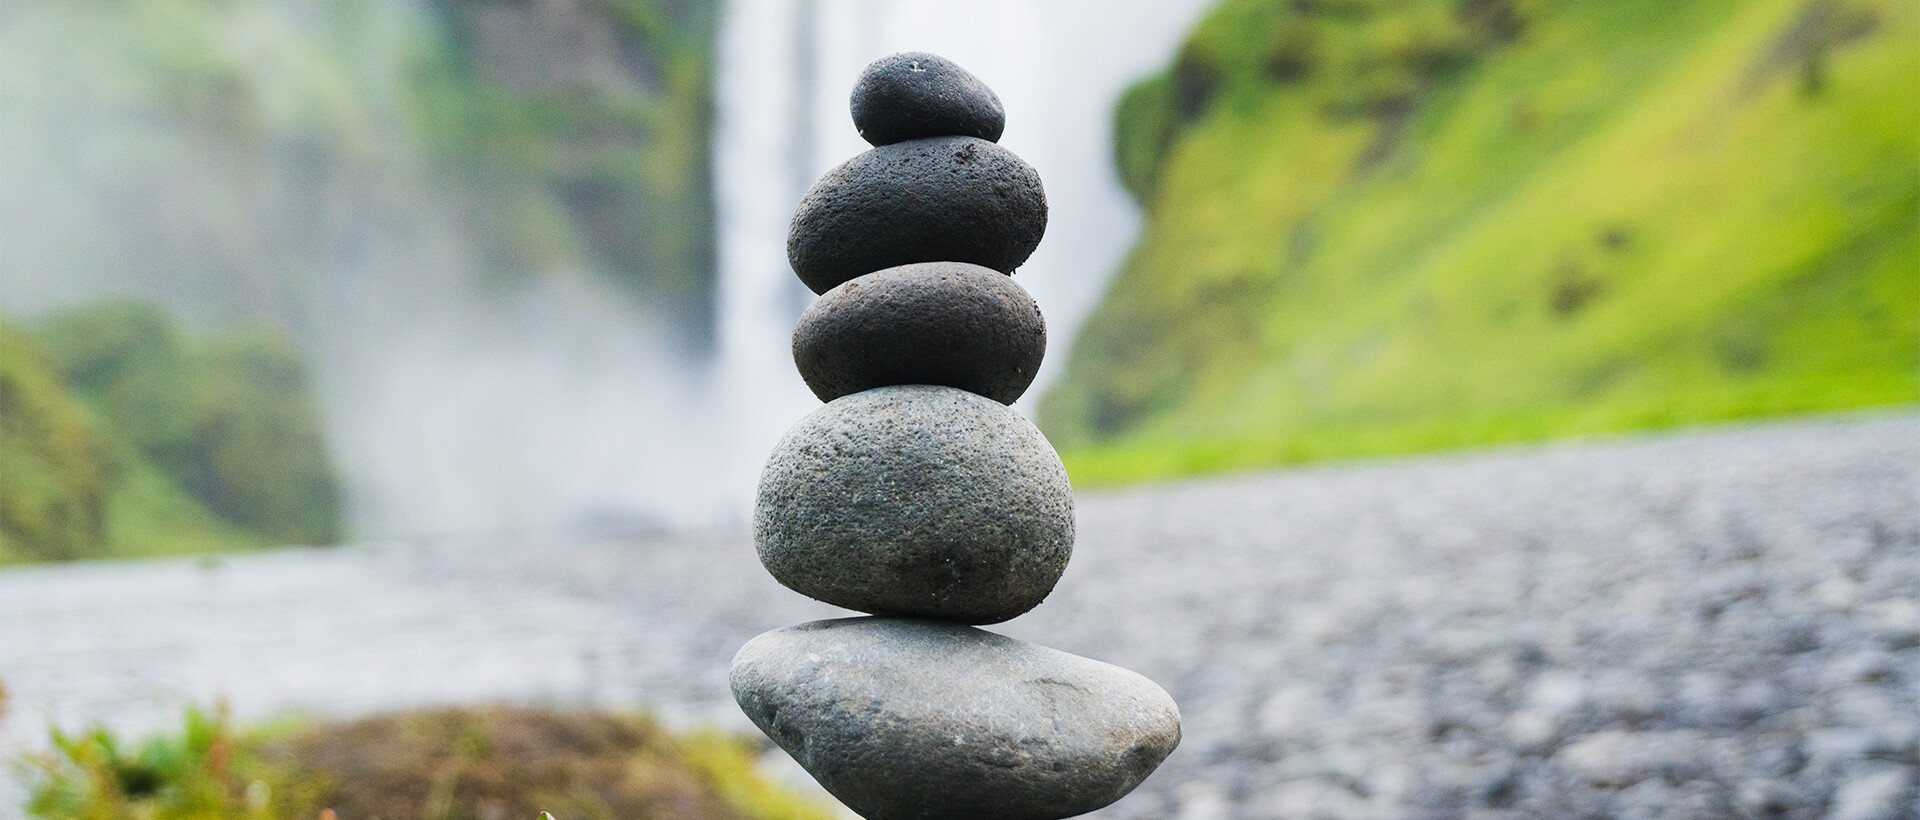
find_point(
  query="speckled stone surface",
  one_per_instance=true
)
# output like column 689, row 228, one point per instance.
column 944, row 199
column 916, row 500
column 913, row 94
column 944, row 323
column 909, row 719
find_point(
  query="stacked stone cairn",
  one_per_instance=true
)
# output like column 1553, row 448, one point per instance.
column 917, row 495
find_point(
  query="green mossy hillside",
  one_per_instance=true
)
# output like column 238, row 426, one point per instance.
column 55, row 466
column 123, row 435
column 1389, row 226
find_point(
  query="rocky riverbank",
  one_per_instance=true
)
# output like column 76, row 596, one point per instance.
column 1707, row 624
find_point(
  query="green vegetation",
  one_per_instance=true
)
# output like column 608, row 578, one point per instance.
column 203, row 772
column 610, row 151
column 1388, row 226
column 122, row 436
column 54, row 464
column 444, row 764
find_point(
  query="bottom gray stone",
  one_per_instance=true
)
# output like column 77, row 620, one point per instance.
column 906, row 719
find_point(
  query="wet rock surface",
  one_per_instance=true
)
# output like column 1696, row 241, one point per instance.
column 941, row 323
column 944, row 199
column 916, row 500
column 927, row 500
column 1709, row 624
column 913, row 95
column 903, row 718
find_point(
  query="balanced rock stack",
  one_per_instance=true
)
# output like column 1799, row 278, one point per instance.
column 917, row 495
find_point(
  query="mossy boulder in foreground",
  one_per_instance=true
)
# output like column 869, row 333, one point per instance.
column 459, row 763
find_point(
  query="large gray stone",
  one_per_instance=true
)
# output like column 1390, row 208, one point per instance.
column 944, row 199
column 913, row 95
column 916, row 500
column 916, row 720
column 945, row 323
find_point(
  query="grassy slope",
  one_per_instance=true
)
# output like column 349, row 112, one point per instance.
column 72, row 489
column 1634, row 215
column 149, row 516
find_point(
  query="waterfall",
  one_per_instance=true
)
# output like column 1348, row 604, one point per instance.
column 456, row 402
column 785, row 68
column 460, row 394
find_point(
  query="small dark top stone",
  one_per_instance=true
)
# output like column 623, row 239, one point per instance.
column 944, row 199
column 945, row 323
column 914, row 94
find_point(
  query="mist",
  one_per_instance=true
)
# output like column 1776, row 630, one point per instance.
column 467, row 390
column 785, row 72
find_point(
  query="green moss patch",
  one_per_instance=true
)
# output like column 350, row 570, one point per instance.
column 441, row 764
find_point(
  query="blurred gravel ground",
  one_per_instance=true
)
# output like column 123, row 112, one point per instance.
column 1719, row 623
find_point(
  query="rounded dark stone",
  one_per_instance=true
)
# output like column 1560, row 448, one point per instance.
column 944, row 199
column 916, row 500
column 903, row 718
column 945, row 323
column 913, row 95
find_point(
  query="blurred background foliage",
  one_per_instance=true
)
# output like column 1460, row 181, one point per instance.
column 561, row 137
column 443, row 764
column 602, row 122
column 265, row 169
column 1388, row 226
column 121, row 434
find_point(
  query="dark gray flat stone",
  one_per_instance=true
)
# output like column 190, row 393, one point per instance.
column 945, row 323
column 913, row 95
column 919, row 720
column 944, row 199
column 916, row 500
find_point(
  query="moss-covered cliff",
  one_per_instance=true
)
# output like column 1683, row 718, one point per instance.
column 600, row 111
column 1382, row 226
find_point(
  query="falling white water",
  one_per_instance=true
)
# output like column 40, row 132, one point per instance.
column 758, row 177
column 454, row 406
column 458, row 398
column 785, row 69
